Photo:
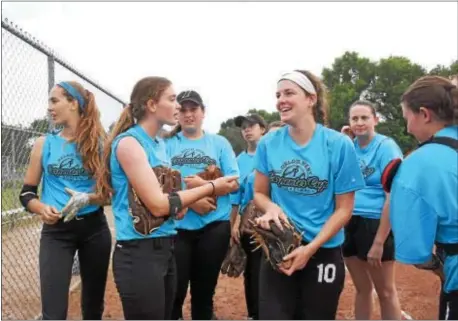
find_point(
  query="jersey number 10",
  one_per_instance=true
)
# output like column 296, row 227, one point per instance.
column 326, row 273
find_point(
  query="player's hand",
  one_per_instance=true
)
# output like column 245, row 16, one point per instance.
column 77, row 201
column 49, row 215
column 297, row 259
column 347, row 131
column 225, row 185
column 204, row 205
column 193, row 181
column 235, row 231
column 181, row 213
column 374, row 256
column 273, row 213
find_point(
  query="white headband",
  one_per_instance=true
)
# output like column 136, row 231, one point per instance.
column 301, row 80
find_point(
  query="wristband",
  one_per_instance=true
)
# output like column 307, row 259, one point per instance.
column 213, row 185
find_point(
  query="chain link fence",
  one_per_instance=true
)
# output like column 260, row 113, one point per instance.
column 29, row 70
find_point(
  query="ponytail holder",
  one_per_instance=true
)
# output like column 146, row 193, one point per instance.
column 73, row 93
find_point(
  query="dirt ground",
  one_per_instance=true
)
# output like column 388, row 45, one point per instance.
column 418, row 292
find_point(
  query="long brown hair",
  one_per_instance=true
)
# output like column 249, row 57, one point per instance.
column 320, row 110
column 144, row 90
column 90, row 133
column 435, row 93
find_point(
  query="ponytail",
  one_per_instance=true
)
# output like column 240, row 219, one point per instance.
column 125, row 121
column 145, row 89
column 89, row 132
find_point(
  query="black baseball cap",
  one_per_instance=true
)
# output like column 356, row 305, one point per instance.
column 190, row 95
column 251, row 118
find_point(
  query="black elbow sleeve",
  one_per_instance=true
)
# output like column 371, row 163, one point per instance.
column 175, row 205
column 28, row 193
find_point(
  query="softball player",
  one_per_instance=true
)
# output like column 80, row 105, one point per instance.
column 204, row 233
column 143, row 264
column 65, row 162
column 253, row 127
column 308, row 173
column 424, row 203
column 369, row 247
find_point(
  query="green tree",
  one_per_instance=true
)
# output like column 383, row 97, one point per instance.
column 352, row 77
column 444, row 71
column 383, row 82
column 394, row 76
column 348, row 79
column 234, row 137
column 268, row 116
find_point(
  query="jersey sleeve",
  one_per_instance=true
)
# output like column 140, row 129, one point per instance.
column 236, row 196
column 414, row 225
column 346, row 171
column 389, row 150
column 228, row 159
column 260, row 158
column 248, row 193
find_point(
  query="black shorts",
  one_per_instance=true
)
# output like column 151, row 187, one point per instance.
column 360, row 234
column 309, row 294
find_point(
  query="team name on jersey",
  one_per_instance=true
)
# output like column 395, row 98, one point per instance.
column 297, row 176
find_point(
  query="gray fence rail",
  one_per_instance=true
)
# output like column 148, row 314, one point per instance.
column 29, row 70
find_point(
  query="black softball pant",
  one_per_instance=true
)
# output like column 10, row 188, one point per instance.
column 145, row 276
column 309, row 294
column 448, row 305
column 91, row 236
column 199, row 255
column 251, row 276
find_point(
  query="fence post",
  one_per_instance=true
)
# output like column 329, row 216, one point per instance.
column 51, row 82
column 13, row 150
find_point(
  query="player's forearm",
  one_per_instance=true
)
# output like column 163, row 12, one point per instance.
column 334, row 224
column 35, row 206
column 234, row 214
column 263, row 202
column 190, row 196
column 384, row 228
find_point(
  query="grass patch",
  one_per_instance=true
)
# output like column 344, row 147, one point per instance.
column 19, row 222
column 10, row 198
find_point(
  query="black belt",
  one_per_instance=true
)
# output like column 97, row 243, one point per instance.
column 448, row 248
column 93, row 214
column 157, row 242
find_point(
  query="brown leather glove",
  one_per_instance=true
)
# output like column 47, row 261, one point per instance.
column 144, row 221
